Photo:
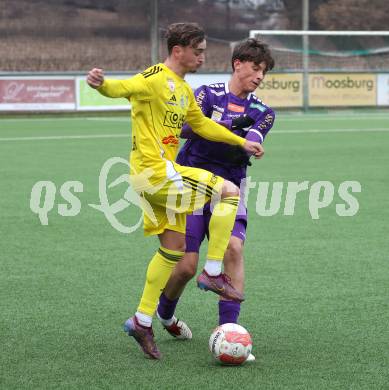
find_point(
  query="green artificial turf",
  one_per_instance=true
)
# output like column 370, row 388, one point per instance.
column 317, row 290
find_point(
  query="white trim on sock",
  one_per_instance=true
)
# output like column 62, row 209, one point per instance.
column 168, row 322
column 213, row 267
column 144, row 319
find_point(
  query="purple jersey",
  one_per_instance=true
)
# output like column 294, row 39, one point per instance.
column 219, row 104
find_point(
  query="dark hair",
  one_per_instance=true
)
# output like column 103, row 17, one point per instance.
column 184, row 34
column 253, row 50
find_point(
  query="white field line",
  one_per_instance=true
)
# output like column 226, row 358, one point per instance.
column 294, row 117
column 318, row 131
column 127, row 135
column 50, row 119
column 349, row 116
column 331, row 118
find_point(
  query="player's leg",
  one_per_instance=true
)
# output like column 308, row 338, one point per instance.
column 158, row 273
column 229, row 310
column 189, row 189
column 233, row 267
column 160, row 267
column 184, row 271
column 220, row 227
column 225, row 199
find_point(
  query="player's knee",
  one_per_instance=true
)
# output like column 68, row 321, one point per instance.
column 187, row 271
column 186, row 268
column 229, row 189
column 235, row 250
column 173, row 240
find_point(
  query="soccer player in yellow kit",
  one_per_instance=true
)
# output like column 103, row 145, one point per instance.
column 161, row 102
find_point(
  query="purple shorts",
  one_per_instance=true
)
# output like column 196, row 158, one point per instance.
column 197, row 227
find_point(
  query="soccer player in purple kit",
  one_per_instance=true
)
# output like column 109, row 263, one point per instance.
column 235, row 106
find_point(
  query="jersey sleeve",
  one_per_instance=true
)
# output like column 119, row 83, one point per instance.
column 207, row 128
column 202, row 100
column 259, row 130
column 136, row 86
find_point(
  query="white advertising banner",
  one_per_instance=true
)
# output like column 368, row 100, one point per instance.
column 196, row 80
column 383, row 90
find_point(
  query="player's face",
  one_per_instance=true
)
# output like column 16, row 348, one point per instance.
column 191, row 58
column 249, row 74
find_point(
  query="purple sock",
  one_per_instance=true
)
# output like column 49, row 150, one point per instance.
column 228, row 312
column 166, row 307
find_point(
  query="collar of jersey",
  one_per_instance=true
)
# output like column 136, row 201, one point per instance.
column 228, row 92
column 172, row 73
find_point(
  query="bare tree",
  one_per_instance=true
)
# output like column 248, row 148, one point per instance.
column 353, row 15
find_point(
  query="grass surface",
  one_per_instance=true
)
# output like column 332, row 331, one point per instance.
column 317, row 290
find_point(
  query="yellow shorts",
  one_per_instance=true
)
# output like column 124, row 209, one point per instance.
column 185, row 189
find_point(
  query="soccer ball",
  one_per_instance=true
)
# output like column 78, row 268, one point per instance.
column 230, row 344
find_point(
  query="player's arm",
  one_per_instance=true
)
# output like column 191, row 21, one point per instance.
column 261, row 127
column 113, row 88
column 204, row 101
column 212, row 131
column 188, row 133
column 256, row 133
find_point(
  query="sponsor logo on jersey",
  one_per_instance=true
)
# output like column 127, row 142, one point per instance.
column 221, row 109
column 170, row 140
column 216, row 115
column 174, row 120
column 172, row 101
column 184, row 101
column 235, row 107
column 258, row 107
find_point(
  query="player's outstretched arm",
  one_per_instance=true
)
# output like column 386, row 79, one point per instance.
column 113, row 88
column 95, row 78
column 188, row 133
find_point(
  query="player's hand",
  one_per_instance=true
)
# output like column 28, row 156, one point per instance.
column 95, row 78
column 254, row 148
column 242, row 122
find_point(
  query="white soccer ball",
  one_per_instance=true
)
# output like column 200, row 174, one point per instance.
column 230, row 344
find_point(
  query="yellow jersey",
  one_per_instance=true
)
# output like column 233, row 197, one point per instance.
column 161, row 102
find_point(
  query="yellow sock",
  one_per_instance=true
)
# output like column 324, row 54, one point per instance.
column 220, row 227
column 158, row 273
